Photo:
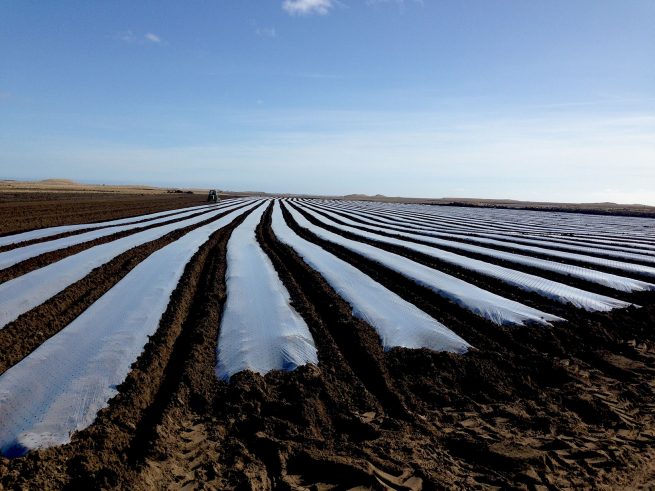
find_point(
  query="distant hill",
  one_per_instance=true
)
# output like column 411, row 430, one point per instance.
column 59, row 182
column 364, row 196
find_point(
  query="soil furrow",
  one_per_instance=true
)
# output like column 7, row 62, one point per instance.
column 299, row 408
column 175, row 446
column 450, row 314
column 188, row 382
column 42, row 260
column 357, row 341
column 582, row 331
column 496, row 286
column 551, row 275
column 102, row 455
column 91, row 226
column 512, row 249
column 22, row 336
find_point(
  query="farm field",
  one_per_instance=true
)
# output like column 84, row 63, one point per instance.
column 161, row 342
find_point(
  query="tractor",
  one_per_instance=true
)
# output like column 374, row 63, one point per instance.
column 212, row 197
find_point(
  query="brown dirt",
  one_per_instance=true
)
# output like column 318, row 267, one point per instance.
column 533, row 408
column 70, row 186
column 20, row 212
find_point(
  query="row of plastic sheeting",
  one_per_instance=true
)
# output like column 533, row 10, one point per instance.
column 259, row 329
column 60, row 387
column 642, row 253
column 570, row 224
column 490, row 306
column 397, row 322
column 616, row 282
column 19, row 254
column 623, row 266
column 547, row 288
column 25, row 292
column 42, row 233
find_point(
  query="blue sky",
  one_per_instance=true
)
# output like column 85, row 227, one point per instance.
column 526, row 99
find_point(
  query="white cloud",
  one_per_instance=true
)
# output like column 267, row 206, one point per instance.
column 126, row 36
column 307, row 7
column 266, row 32
column 132, row 38
column 153, row 38
column 323, row 7
column 399, row 2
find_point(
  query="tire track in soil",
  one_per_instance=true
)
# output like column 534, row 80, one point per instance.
column 59, row 311
column 583, row 435
column 478, row 425
column 491, row 422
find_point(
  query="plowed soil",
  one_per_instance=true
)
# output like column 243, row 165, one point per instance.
column 572, row 406
column 20, row 212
